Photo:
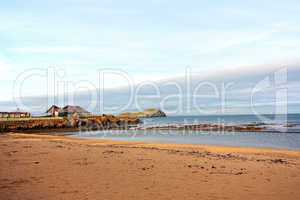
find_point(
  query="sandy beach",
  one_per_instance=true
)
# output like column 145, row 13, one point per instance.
column 59, row 167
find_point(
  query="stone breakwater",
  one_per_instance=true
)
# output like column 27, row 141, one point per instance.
column 89, row 123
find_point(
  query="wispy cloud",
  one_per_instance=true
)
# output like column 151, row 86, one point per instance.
column 148, row 39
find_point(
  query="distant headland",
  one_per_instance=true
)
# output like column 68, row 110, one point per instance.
column 148, row 113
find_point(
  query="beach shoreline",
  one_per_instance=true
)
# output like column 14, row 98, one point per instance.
column 35, row 166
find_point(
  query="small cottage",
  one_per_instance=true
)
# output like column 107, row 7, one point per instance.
column 53, row 111
column 74, row 110
column 66, row 111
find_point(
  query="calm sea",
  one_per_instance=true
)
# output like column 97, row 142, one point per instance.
column 284, row 131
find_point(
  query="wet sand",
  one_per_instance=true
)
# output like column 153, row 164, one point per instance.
column 59, row 167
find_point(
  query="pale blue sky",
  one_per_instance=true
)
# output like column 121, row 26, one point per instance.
column 153, row 39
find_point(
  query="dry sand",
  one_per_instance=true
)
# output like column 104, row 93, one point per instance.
column 57, row 167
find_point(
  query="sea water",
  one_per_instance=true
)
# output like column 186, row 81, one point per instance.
column 284, row 131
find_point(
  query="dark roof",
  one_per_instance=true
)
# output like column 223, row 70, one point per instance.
column 52, row 107
column 74, row 109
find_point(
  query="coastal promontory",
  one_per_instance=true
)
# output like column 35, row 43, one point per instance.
column 148, row 113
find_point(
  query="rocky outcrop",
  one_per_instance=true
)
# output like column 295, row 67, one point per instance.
column 145, row 114
column 208, row 128
column 106, row 122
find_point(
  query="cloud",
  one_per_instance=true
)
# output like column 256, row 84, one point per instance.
column 238, row 95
